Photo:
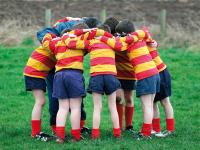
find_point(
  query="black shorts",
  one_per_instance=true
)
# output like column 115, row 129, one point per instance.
column 32, row 83
column 165, row 86
column 127, row 85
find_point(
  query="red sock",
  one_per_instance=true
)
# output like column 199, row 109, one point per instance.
column 76, row 134
column 82, row 124
column 156, row 124
column 53, row 128
column 95, row 133
column 170, row 124
column 116, row 132
column 36, row 127
column 129, row 111
column 120, row 114
column 146, row 129
column 60, row 132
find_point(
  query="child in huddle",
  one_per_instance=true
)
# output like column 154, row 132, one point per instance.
column 66, row 23
column 162, row 96
column 145, row 71
column 126, row 77
column 102, row 80
column 68, row 82
column 68, row 85
column 38, row 66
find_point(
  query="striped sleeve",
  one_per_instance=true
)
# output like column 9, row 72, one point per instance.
column 46, row 42
column 76, row 43
column 142, row 35
column 116, row 43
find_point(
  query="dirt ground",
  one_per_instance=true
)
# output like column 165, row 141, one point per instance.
column 33, row 11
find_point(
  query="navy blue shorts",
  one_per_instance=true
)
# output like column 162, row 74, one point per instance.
column 103, row 84
column 32, row 83
column 165, row 86
column 127, row 85
column 68, row 84
column 150, row 85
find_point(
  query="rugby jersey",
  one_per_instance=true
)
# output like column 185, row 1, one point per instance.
column 156, row 58
column 66, row 58
column 39, row 63
column 138, row 53
column 125, row 70
column 102, row 56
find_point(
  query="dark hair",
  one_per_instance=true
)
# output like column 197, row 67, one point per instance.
column 81, row 26
column 92, row 22
column 104, row 27
column 65, row 31
column 112, row 23
column 125, row 26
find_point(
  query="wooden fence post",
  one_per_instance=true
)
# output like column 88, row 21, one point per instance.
column 163, row 15
column 47, row 17
column 103, row 15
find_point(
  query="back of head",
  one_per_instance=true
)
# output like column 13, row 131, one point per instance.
column 112, row 23
column 104, row 27
column 81, row 26
column 92, row 22
column 125, row 26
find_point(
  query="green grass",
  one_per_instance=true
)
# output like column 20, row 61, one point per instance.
column 16, row 106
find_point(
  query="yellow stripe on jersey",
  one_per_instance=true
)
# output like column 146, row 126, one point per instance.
column 69, row 53
column 144, row 67
column 124, row 66
column 37, row 65
column 157, row 60
column 77, row 65
column 102, row 68
column 102, row 53
column 138, row 52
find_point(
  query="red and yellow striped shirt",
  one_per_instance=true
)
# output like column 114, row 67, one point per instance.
column 141, row 60
column 39, row 63
column 102, row 56
column 66, row 58
column 138, row 53
column 156, row 58
column 124, row 67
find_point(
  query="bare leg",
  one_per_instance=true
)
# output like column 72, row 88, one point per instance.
column 156, row 111
column 113, row 109
column 39, row 103
column 62, row 112
column 119, row 94
column 75, row 106
column 97, row 100
column 128, row 95
column 147, row 106
column 169, row 113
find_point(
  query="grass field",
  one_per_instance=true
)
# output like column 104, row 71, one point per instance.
column 16, row 106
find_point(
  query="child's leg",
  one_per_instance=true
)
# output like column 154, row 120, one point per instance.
column 97, row 100
column 119, row 106
column 169, row 114
column 129, row 109
column 147, row 106
column 37, row 111
column 114, row 114
column 75, row 106
column 156, row 118
column 61, row 117
column 53, row 102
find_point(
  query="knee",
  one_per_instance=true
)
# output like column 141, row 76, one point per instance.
column 40, row 103
column 118, row 100
column 165, row 102
column 129, row 101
